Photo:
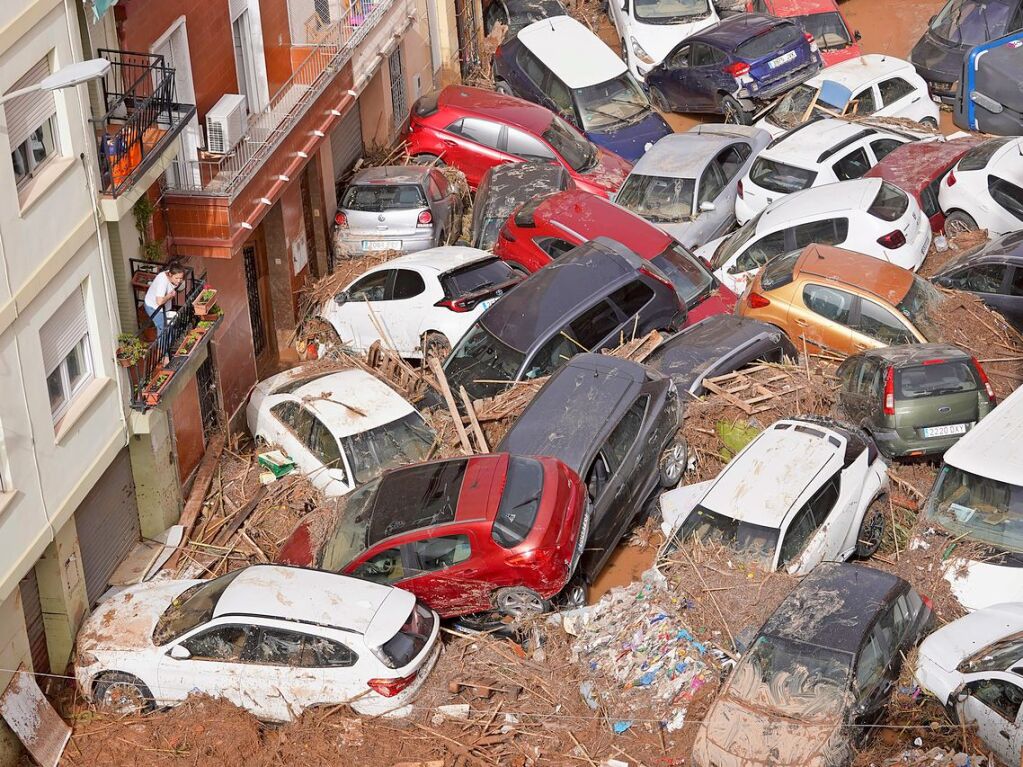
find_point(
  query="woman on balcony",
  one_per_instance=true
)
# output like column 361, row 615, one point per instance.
column 161, row 291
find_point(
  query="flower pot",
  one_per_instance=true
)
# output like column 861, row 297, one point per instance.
column 124, row 362
column 142, row 278
column 156, row 386
column 205, row 302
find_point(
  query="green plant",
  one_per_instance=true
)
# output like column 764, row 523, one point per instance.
column 207, row 295
column 130, row 348
column 153, row 250
column 142, row 211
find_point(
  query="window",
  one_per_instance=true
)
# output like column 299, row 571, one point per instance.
column 323, row 445
column 625, row 433
column 385, row 567
column 1002, row 697
column 703, row 55
column 399, row 90
column 442, row 552
column 679, row 59
column 31, row 124
column 894, row 89
column 978, row 279
column 759, row 253
column 287, row 413
column 552, row 354
column 480, row 131
column 712, row 183
column 732, row 158
column 67, row 359
column 870, row 666
column 561, row 96
column 553, row 246
column 779, row 177
column 596, row 323
column 808, row 520
column 979, row 156
column 1016, row 285
column 223, row 643
column 243, row 66
column 1006, row 194
column 853, row 165
column 830, row 231
column 890, row 203
column 407, row 284
column 879, row 323
column 280, row 647
column 369, row 288
column 438, row 186
column 829, row 303
column 863, row 103
column 632, row 297
column 527, row 147
column 520, row 502
column 883, row 147
column 929, row 198
column 532, row 67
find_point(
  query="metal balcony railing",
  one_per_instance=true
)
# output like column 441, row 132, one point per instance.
column 142, row 117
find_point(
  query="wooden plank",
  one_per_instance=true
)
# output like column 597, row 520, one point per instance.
column 481, row 440
column 239, row 517
column 445, row 390
column 203, row 478
column 713, row 387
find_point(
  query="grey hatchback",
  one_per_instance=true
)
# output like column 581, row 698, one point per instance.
column 914, row 400
column 396, row 207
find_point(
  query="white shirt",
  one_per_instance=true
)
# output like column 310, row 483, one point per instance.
column 158, row 288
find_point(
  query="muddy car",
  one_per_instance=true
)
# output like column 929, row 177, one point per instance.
column 506, row 187
column 819, row 670
column 993, row 272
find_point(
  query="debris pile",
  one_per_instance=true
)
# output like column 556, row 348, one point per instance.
column 955, row 245
column 935, row 757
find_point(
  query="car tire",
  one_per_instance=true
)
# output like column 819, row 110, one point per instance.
column 428, row 159
column 673, row 462
column 502, row 87
column 436, row 344
column 957, row 222
column 120, row 693
column 574, row 595
column 872, row 529
column 519, row 602
column 733, row 112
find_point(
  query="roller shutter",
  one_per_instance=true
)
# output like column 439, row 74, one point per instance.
column 33, row 610
column 346, row 142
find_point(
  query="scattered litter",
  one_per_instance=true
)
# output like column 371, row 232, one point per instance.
column 458, row 711
column 620, row 727
column 277, row 463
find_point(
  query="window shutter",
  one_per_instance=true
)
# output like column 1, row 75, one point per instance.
column 64, row 330
column 25, row 114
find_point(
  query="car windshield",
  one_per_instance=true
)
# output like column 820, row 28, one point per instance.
column 611, row 103
column 979, row 156
column 828, row 30
column 920, row 301
column 475, row 277
column 769, row 42
column 670, row 11
column 793, row 679
column 658, row 198
column 978, row 507
column 490, row 229
column 753, row 542
column 579, row 153
column 735, row 243
column 971, row 22
column 1003, row 654
column 405, row 440
column 191, row 608
column 481, row 357
column 380, row 197
column 789, row 110
column 520, row 502
column 935, row 378
column 690, row 277
column 778, row 177
column 347, row 539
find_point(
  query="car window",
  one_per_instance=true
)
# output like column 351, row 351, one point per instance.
column 712, row 183
column 532, row 67
column 441, row 552
column 978, row 279
column 894, row 89
column 553, row 246
column 481, row 131
column 385, row 567
column 870, row 665
column 438, row 185
column 759, row 252
column 286, row 413
column 679, row 59
column 407, row 284
column 323, row 445
column 779, row 177
column 620, row 441
column 731, row 159
column 495, row 13
column 1002, row 697
column 632, row 297
column 890, row 203
column 594, row 325
column 552, row 355
column 883, row 147
column 830, row 231
column 929, row 198
column 853, row 165
column 1016, row 286
column 303, row 424
column 832, row 304
column 221, row 643
column 807, row 521
column 369, row 288
column 561, row 96
column 880, row 324
column 863, row 103
column 702, row 55
column 280, row 647
column 1007, row 195
column 521, row 144
column 869, row 374
column 902, row 616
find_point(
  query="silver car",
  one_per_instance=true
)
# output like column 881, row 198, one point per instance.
column 686, row 182
column 397, row 207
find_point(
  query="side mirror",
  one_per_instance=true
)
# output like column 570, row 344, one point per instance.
column 180, row 652
column 857, row 36
column 341, row 298
column 707, row 206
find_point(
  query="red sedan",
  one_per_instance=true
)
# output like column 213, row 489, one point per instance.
column 820, row 18
column 473, row 130
column 547, row 227
column 465, row 535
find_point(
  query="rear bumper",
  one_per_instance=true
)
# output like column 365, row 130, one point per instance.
column 401, row 704
column 758, row 92
column 896, row 445
column 352, row 243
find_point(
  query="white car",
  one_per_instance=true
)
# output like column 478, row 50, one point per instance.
column 341, row 428
column 814, row 154
column 795, row 496
column 985, row 188
column 273, row 640
column 974, row 667
column 978, row 498
column 649, row 29
column 422, row 301
column 866, row 215
column 873, row 85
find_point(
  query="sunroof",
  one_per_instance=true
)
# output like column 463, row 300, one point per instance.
column 417, row 497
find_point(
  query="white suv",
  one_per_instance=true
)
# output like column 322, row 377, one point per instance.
column 816, row 153
column 795, row 496
column 650, row 29
column 273, row 640
column 867, row 215
column 985, row 188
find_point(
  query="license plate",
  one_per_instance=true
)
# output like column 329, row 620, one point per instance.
column 381, row 244
column 484, row 305
column 945, row 431
column 785, row 58
column 935, row 99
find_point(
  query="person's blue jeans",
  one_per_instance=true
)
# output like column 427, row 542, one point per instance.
column 159, row 318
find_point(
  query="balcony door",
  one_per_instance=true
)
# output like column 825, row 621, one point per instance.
column 173, row 46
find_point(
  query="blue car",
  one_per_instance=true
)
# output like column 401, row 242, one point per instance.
column 558, row 63
column 728, row 68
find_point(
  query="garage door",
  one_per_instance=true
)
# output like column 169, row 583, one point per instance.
column 108, row 525
column 346, row 142
column 33, row 610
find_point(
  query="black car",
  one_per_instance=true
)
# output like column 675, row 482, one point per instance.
column 719, row 344
column 614, row 422
column 994, row 271
column 516, row 14
column 594, row 297
column 818, row 673
column 960, row 25
column 504, row 188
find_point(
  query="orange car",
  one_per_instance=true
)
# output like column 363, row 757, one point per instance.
column 829, row 299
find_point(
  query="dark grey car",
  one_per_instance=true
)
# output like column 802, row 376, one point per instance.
column 994, row 271
column 612, row 421
column 506, row 187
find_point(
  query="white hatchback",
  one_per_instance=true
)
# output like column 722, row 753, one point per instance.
column 866, row 215
column 985, row 188
column 273, row 640
column 426, row 300
column 650, row 29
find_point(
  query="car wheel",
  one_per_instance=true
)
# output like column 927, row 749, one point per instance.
column 958, row 222
column 872, row 528
column 436, row 345
column 502, row 87
column 930, row 122
column 428, row 159
column 673, row 463
column 573, row 595
column 519, row 602
column 119, row 693
column 733, row 111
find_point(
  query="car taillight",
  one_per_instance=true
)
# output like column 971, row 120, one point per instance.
column 737, row 69
column 531, row 558
column 808, row 36
column 454, row 304
column 889, row 392
column 738, row 189
column 951, row 177
column 984, row 380
column 425, row 218
column 892, row 240
column 391, row 687
column 341, row 219
column 757, row 301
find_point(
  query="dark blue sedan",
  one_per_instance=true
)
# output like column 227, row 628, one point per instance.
column 731, row 66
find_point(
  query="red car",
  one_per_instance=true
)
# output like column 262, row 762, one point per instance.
column 917, row 169
column 474, row 129
column 820, row 18
column 465, row 535
column 545, row 228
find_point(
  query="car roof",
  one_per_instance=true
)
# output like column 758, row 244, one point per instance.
column 856, row 72
column 787, row 8
column 571, row 51
column 1007, row 248
column 569, row 416
column 682, row 155
column 491, row 104
column 915, row 354
column 392, row 174
column 761, row 484
column 834, row 606
column 914, row 165
column 314, row 597
column 508, row 186
column 804, row 144
column 736, row 29
column 872, row 275
column 990, row 448
column 442, row 259
column 590, row 216
column 956, row 641
column 856, row 194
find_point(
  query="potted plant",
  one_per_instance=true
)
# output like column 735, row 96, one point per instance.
column 130, row 350
column 205, row 301
column 156, row 386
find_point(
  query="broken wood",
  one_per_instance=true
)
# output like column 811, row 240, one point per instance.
column 239, row 517
column 445, row 390
column 203, row 477
column 481, row 441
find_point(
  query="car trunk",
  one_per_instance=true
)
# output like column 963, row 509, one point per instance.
column 927, row 404
column 384, row 213
column 785, row 58
column 384, row 224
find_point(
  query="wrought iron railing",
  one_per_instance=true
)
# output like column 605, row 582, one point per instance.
column 142, row 116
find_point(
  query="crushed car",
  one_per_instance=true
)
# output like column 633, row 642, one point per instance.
column 994, row 272
column 506, row 187
column 820, row 18
column 649, row 29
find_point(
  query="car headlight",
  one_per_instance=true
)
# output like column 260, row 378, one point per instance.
column 638, row 51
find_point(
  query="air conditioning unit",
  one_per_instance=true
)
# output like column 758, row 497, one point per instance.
column 225, row 123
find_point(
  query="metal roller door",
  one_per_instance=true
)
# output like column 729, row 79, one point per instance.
column 33, row 610
column 346, row 142
column 108, row 525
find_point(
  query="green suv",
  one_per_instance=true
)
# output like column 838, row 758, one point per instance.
column 914, row 400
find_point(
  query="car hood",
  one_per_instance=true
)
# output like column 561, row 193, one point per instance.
column 937, row 59
column 721, row 300
column 659, row 39
column 630, row 141
column 126, row 620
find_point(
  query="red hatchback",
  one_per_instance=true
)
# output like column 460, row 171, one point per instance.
column 820, row 18
column 465, row 535
column 474, row 130
column 545, row 228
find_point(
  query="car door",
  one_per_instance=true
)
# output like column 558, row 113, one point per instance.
column 897, row 96
column 827, row 231
column 589, row 331
column 472, row 146
column 993, row 284
column 295, row 437
column 671, row 79
column 363, row 300
column 873, row 325
column 212, row 664
column 992, row 705
column 882, row 147
column 445, row 573
column 852, row 164
column 863, row 103
column 704, row 66
column 529, row 77
column 711, row 185
column 807, row 541
column 406, row 313
column 526, row 146
column 873, row 679
column 823, row 318
column 754, row 255
column 561, row 99
column 732, row 161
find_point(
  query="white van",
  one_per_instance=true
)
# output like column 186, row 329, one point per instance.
column 978, row 497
